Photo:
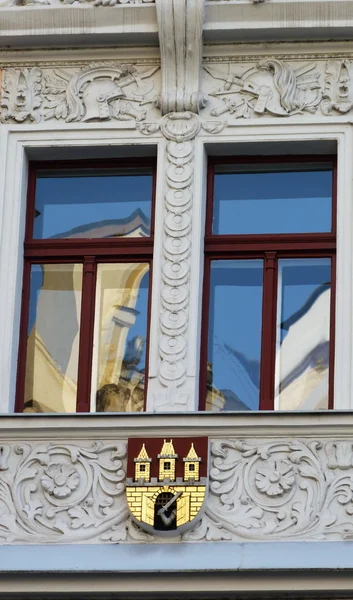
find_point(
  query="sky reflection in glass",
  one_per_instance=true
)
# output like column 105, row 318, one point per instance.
column 303, row 334
column 104, row 205
column 234, row 342
column 268, row 201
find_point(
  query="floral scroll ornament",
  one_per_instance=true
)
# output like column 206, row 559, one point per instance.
column 60, row 480
column 274, row 477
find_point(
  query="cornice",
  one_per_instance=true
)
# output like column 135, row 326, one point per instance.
column 62, row 23
column 218, row 425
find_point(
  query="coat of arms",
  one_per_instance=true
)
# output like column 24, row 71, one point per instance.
column 166, row 482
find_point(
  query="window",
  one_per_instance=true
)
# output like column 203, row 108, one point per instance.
column 87, row 271
column 268, row 336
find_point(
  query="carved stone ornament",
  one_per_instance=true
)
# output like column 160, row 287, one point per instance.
column 179, row 128
column 237, row 1
column 279, row 490
column 21, row 95
column 98, row 92
column 166, row 483
column 271, row 87
column 337, row 96
column 4, row 3
column 276, row 489
column 180, row 36
column 64, row 493
column 130, row 93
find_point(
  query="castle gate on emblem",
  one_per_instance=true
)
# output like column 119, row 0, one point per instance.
column 167, row 482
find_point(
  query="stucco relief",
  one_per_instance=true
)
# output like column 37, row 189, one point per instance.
column 270, row 87
column 180, row 129
column 5, row 3
column 237, row 1
column 276, row 489
column 62, row 492
column 280, row 490
column 337, row 97
column 97, row 92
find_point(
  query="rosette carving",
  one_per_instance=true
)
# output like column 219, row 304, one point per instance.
column 279, row 490
column 62, row 493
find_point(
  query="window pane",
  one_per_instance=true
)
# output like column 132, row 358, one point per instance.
column 286, row 199
column 102, row 205
column 53, row 338
column 120, row 337
column 234, row 338
column 303, row 334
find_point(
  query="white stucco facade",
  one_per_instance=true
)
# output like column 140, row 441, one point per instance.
column 216, row 77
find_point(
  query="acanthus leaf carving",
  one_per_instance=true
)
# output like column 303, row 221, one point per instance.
column 279, row 490
column 21, row 94
column 58, row 492
column 337, row 94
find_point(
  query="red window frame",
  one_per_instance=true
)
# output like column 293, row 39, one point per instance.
column 89, row 252
column 269, row 248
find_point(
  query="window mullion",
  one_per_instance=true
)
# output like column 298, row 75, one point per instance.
column 86, row 333
column 268, row 345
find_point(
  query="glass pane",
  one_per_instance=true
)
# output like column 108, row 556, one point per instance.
column 103, row 204
column 53, row 338
column 286, row 199
column 303, row 334
column 119, row 356
column 234, row 337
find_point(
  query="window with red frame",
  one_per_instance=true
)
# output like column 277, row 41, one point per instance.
column 86, row 288
column 269, row 295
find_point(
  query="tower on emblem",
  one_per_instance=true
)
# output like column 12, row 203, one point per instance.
column 166, row 482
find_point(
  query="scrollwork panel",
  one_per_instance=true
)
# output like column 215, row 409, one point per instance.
column 280, row 490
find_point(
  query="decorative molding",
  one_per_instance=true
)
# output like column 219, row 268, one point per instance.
column 170, row 390
column 261, row 489
column 130, row 93
column 237, row 1
column 337, row 95
column 271, row 87
column 279, row 490
column 97, row 92
column 93, row 3
column 21, row 95
column 180, row 36
column 64, row 493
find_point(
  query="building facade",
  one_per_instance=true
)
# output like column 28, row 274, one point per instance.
column 176, row 299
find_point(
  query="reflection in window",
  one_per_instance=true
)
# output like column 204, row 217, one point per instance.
column 303, row 334
column 53, row 338
column 272, row 199
column 96, row 204
column 234, row 340
column 119, row 357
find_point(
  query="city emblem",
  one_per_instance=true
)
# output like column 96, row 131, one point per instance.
column 166, row 483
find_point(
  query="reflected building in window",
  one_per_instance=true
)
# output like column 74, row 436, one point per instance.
column 302, row 362
column 118, row 364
